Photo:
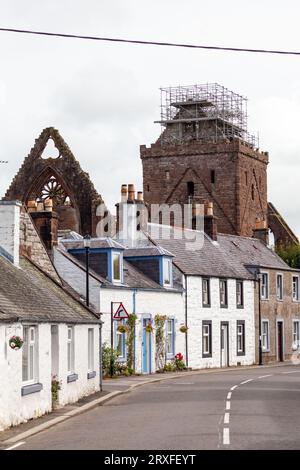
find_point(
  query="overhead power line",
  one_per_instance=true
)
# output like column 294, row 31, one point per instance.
column 149, row 43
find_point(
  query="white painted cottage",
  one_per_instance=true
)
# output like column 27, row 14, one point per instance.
column 60, row 335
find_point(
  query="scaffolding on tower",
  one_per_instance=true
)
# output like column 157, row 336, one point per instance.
column 205, row 113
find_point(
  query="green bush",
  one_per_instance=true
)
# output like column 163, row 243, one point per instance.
column 108, row 356
column 290, row 254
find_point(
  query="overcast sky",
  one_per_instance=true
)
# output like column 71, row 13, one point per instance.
column 104, row 97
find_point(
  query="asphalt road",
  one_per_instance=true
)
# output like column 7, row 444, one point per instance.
column 239, row 409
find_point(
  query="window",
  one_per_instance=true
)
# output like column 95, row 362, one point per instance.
column 296, row 334
column 212, row 176
column 170, row 337
column 240, row 338
column 190, row 188
column 252, row 192
column 70, row 349
column 167, row 270
column 116, row 267
column 246, row 178
column 239, row 294
column 264, row 286
column 167, row 173
column 205, row 293
column 295, row 288
column 223, row 293
column 120, row 340
column 265, row 335
column 30, row 355
column 279, row 286
column 206, row 339
column 90, row 349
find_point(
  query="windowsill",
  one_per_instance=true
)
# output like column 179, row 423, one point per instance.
column 91, row 375
column 206, row 305
column 224, row 306
column 266, row 351
column 264, row 299
column 206, row 356
column 32, row 388
column 170, row 357
column 241, row 354
column 72, row 378
column 240, row 307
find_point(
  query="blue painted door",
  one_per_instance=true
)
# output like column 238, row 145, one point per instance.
column 146, row 348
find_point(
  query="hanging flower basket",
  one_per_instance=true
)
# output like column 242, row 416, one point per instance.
column 183, row 329
column 15, row 342
column 122, row 329
column 149, row 328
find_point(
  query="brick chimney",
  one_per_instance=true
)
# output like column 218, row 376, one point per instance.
column 261, row 231
column 131, row 215
column 45, row 221
column 10, row 230
column 210, row 221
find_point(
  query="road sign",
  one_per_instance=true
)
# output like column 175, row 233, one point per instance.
column 121, row 312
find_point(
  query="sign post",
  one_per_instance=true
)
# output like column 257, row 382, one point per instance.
column 119, row 314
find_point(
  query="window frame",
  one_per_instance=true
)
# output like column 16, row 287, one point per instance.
column 34, row 366
column 264, row 297
column 208, row 303
column 279, row 295
column 240, row 282
column 167, row 261
column 170, row 355
column 91, row 349
column 297, row 341
column 241, row 352
column 297, row 298
column 225, row 304
column 122, row 357
column 208, row 324
column 113, row 278
column 71, row 345
column 265, row 349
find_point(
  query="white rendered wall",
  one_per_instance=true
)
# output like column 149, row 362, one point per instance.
column 15, row 409
column 196, row 314
column 149, row 303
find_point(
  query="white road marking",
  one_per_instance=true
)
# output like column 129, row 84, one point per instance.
column 226, row 418
column 246, row 382
column 234, row 387
column 229, row 395
column 264, row 376
column 226, row 438
column 228, row 405
column 16, row 445
column 292, row 372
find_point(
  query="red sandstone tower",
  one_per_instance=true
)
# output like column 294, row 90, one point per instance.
column 205, row 154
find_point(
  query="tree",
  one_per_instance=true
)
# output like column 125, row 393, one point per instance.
column 290, row 254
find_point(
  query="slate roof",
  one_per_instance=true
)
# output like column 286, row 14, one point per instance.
column 95, row 243
column 227, row 257
column 27, row 294
column 146, row 251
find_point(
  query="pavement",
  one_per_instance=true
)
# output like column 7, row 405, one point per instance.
column 240, row 408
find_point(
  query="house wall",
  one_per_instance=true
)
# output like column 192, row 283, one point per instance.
column 275, row 310
column 197, row 313
column 148, row 303
column 16, row 409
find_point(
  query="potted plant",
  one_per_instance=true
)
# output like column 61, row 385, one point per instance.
column 15, row 342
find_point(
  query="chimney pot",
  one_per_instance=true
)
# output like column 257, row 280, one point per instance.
column 124, row 192
column 49, row 205
column 140, row 196
column 131, row 192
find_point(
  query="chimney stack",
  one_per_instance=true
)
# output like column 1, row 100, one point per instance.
column 131, row 215
column 124, row 193
column 210, row 222
column 261, row 231
column 46, row 222
column 10, row 230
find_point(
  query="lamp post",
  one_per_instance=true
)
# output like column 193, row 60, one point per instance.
column 87, row 245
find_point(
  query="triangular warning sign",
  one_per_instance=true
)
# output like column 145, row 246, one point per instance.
column 121, row 313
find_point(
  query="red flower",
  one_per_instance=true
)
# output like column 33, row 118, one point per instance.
column 179, row 356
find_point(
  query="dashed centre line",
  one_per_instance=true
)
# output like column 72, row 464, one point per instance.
column 226, row 418
column 264, row 376
column 229, row 395
column 16, row 445
column 246, row 381
column 226, row 437
column 228, row 405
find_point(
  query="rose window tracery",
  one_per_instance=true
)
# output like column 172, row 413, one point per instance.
column 55, row 191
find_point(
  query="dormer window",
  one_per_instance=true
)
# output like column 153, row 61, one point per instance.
column 116, row 267
column 167, row 272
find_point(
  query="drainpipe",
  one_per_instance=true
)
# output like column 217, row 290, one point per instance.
column 100, row 351
column 134, row 313
column 258, row 279
column 186, row 321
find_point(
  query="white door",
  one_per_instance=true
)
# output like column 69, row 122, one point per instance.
column 224, row 344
